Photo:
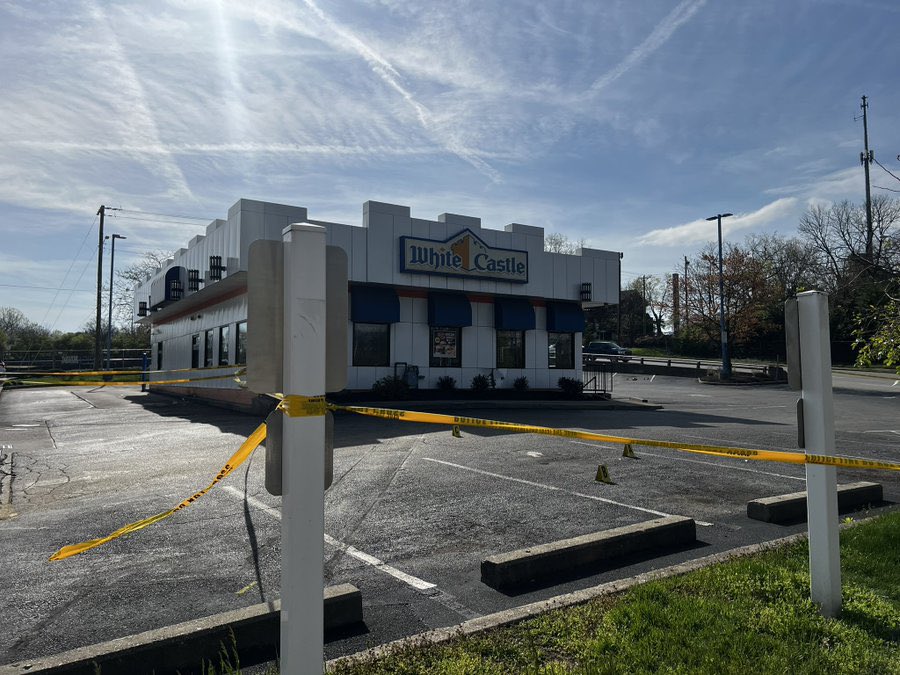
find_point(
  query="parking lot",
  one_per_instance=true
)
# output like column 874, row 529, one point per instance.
column 411, row 513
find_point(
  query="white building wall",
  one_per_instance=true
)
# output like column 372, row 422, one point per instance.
column 374, row 257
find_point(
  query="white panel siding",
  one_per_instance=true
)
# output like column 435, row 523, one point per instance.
column 373, row 252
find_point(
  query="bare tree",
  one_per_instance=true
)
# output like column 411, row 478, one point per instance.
column 556, row 242
column 127, row 280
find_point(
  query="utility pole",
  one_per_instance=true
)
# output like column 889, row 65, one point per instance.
column 725, row 371
column 687, row 307
column 112, row 267
column 644, row 302
column 676, row 305
column 98, row 360
column 865, row 159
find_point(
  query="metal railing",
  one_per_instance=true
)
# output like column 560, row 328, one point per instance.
column 596, row 378
column 695, row 364
column 71, row 359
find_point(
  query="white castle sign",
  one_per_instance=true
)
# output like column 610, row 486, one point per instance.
column 465, row 255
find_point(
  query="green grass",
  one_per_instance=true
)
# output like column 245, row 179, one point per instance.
column 749, row 615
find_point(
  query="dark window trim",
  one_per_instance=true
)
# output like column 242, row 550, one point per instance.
column 208, row 352
column 195, row 350
column 224, row 345
column 240, row 355
column 387, row 354
column 555, row 365
column 523, row 351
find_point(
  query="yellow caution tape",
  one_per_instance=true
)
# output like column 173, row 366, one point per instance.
column 130, row 383
column 247, row 447
column 715, row 450
column 302, row 406
column 86, row 373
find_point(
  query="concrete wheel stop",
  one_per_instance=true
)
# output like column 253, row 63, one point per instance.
column 253, row 632
column 791, row 508
column 538, row 564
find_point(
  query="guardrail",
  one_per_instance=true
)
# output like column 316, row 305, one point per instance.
column 776, row 371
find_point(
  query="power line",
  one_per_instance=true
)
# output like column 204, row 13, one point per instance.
column 71, row 265
column 158, row 220
column 47, row 288
column 886, row 169
column 77, row 282
column 164, row 215
column 884, row 188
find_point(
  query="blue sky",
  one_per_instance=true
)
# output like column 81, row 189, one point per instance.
column 625, row 123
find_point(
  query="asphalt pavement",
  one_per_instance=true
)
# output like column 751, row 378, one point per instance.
column 411, row 513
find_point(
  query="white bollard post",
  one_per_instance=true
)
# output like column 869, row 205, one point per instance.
column 302, row 502
column 818, row 427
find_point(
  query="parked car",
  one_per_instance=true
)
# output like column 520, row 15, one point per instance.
column 605, row 350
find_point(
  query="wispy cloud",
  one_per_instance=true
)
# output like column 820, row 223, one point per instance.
column 698, row 231
column 344, row 38
column 656, row 39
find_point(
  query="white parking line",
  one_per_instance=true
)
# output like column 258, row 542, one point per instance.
column 653, row 378
column 544, row 486
column 415, row 582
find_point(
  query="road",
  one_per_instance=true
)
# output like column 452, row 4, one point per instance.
column 410, row 516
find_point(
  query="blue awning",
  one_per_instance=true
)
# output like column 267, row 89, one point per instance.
column 513, row 314
column 374, row 304
column 565, row 317
column 449, row 309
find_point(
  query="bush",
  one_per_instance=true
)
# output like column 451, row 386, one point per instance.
column 520, row 383
column 480, row 383
column 446, row 383
column 391, row 388
column 570, row 386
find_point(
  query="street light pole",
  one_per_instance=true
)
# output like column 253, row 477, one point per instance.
column 725, row 372
column 112, row 267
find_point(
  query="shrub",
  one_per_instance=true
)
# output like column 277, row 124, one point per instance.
column 391, row 388
column 446, row 383
column 520, row 383
column 570, row 386
column 480, row 383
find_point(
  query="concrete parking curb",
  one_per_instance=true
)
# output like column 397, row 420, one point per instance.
column 791, row 507
column 252, row 631
column 518, row 614
column 535, row 563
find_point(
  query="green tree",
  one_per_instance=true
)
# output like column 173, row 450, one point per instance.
column 878, row 336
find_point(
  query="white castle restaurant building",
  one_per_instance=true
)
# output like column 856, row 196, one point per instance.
column 428, row 298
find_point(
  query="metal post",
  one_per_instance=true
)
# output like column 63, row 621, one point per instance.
column 818, row 431
column 145, row 366
column 98, row 358
column 725, row 371
column 112, row 267
column 302, row 506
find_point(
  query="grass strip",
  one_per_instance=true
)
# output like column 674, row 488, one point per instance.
column 747, row 615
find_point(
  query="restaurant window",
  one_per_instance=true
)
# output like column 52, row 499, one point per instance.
column 223, row 345
column 208, row 348
column 561, row 351
column 195, row 350
column 510, row 349
column 446, row 347
column 241, row 346
column 371, row 344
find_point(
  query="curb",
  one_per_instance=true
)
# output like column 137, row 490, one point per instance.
column 254, row 631
column 518, row 614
